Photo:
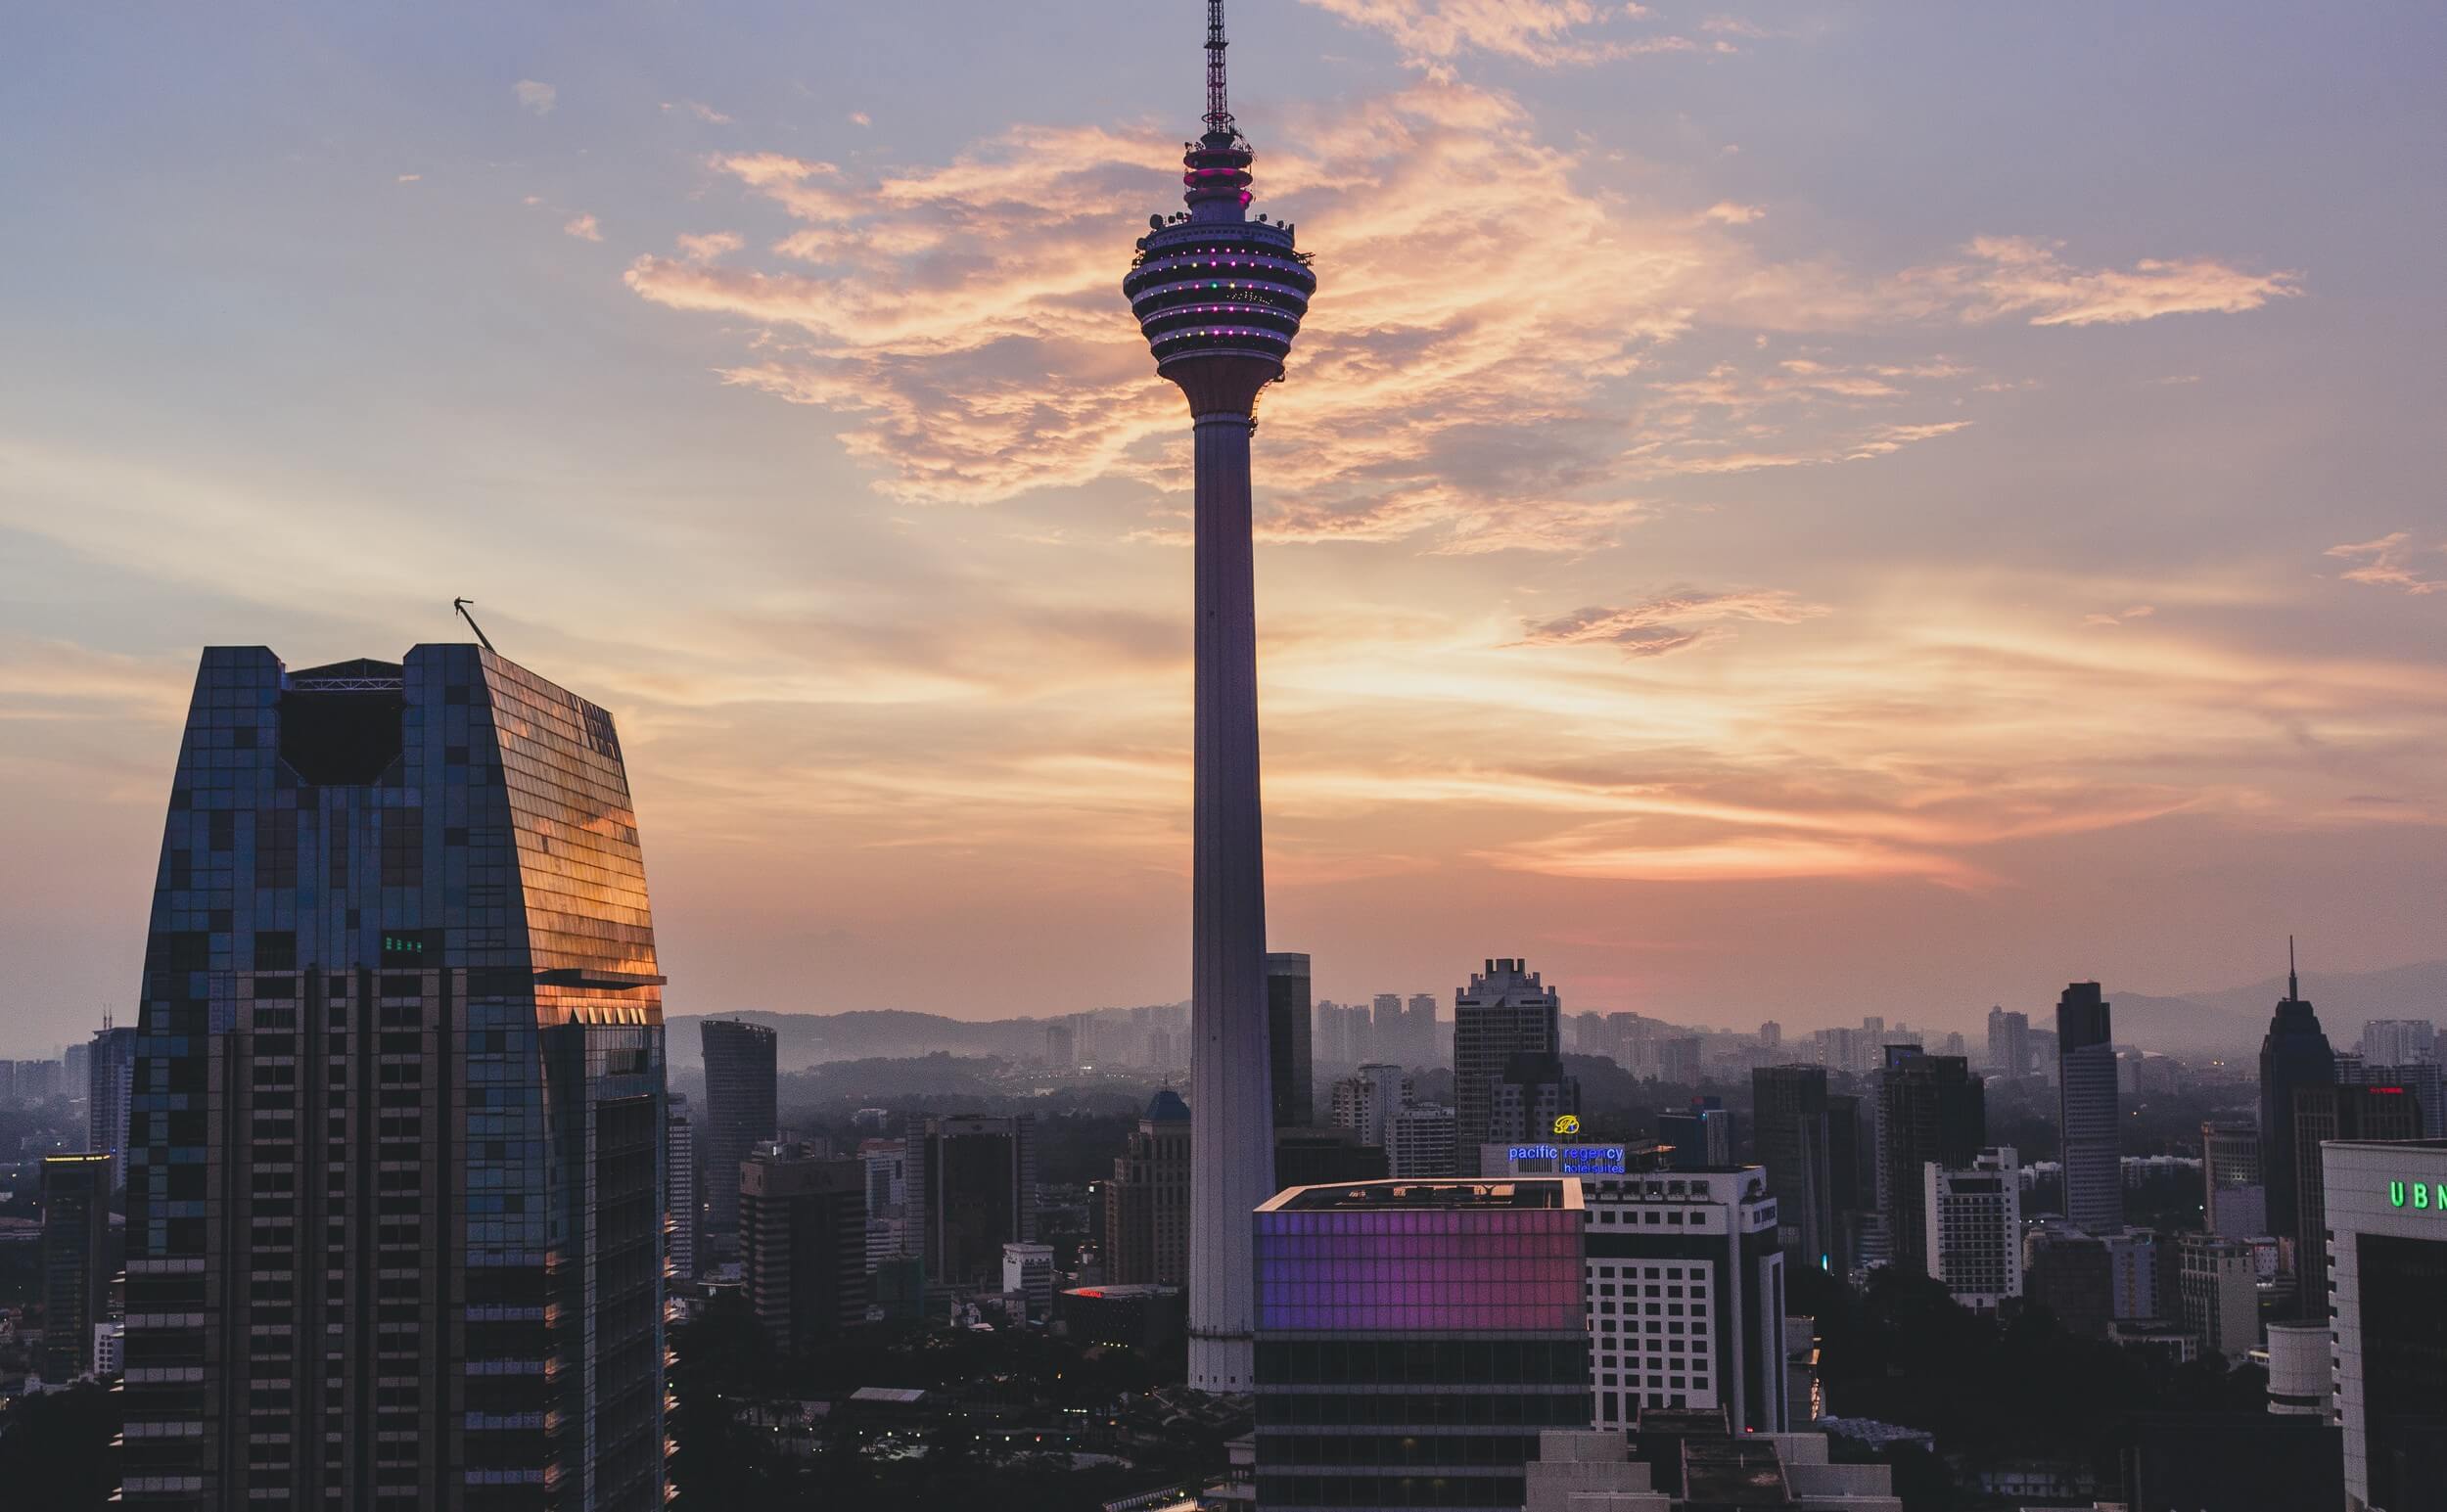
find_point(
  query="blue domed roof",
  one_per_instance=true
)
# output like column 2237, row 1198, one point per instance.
column 1167, row 1107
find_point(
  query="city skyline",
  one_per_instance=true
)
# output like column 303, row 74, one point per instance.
column 1805, row 588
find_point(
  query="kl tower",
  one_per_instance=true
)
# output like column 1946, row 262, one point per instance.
column 1220, row 298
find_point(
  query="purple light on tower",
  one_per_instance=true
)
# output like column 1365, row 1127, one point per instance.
column 1190, row 269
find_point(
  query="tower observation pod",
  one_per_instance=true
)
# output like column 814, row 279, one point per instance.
column 1220, row 298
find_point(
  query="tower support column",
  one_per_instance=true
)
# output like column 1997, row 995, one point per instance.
column 1231, row 1145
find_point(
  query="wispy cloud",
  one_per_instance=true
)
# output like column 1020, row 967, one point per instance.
column 1660, row 626
column 696, row 110
column 535, row 96
column 2388, row 562
column 2024, row 276
column 1546, row 32
column 584, row 228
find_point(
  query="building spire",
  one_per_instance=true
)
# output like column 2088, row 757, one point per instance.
column 1219, row 103
column 2294, row 985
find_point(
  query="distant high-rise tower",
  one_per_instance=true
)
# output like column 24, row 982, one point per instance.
column 1506, row 1011
column 972, row 1190
column 1788, row 1112
column 1930, row 1109
column 394, row 1168
column 680, row 1205
column 2323, row 1114
column 2085, row 1109
column 2399, row 1041
column 1419, row 1032
column 740, row 1090
column 2294, row 1054
column 1287, row 1039
column 1146, row 1225
column 75, row 1192
column 1220, row 298
column 2009, row 1042
column 109, row 1075
column 803, row 1243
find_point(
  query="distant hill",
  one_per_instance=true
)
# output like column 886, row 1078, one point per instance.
column 808, row 1039
column 804, row 1039
column 2230, row 1021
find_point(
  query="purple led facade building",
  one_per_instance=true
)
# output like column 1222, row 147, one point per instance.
column 1414, row 1338
column 1220, row 298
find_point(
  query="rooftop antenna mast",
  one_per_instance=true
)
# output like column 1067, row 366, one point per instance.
column 1219, row 105
column 461, row 606
column 2294, row 985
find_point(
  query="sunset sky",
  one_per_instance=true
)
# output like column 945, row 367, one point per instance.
column 1781, row 511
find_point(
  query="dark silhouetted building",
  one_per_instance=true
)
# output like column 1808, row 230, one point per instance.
column 803, row 1243
column 1414, row 1339
column 973, row 1188
column 1852, row 1179
column 1147, row 1204
column 1311, row 1157
column 1506, row 1011
column 1789, row 1122
column 2085, row 1109
column 2070, row 1274
column 1151, row 1319
column 1700, row 1137
column 740, row 1089
column 1289, row 1072
column 2322, row 1114
column 2293, row 1054
column 394, row 1186
column 2226, row 1462
column 1931, row 1109
column 1532, row 1097
column 75, row 1191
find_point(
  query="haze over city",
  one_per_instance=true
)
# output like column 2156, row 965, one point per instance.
column 1778, row 510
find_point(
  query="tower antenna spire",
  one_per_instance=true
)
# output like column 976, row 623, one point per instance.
column 1218, row 102
column 2294, row 985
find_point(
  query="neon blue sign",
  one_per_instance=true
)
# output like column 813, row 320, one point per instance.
column 1573, row 1160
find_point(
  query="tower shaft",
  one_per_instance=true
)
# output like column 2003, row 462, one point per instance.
column 1231, row 1100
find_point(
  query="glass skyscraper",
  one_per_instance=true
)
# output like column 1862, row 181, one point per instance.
column 395, row 1182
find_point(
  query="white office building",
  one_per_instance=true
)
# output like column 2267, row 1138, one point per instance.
column 1027, row 1271
column 1685, row 1289
column 1974, row 1222
column 2387, row 1271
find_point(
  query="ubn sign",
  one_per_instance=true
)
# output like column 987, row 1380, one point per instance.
column 2425, row 1196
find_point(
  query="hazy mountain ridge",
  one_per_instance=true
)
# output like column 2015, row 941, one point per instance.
column 2230, row 1021
column 806, row 1039
column 2224, row 1022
